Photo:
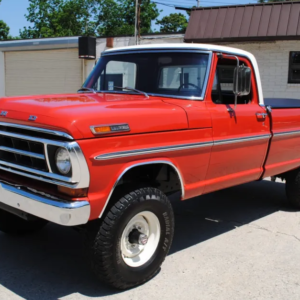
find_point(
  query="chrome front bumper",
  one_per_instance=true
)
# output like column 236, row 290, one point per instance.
column 62, row 212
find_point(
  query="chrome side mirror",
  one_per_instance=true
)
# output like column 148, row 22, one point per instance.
column 241, row 78
column 242, row 81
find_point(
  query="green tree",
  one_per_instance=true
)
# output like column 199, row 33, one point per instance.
column 4, row 31
column 52, row 18
column 118, row 17
column 108, row 18
column 173, row 23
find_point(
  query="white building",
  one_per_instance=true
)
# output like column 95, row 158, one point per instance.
column 270, row 31
column 51, row 65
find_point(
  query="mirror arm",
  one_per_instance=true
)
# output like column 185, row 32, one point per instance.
column 221, row 55
column 237, row 80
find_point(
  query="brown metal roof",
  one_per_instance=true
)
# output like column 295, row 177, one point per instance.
column 267, row 21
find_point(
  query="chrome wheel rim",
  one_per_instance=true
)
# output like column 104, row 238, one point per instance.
column 146, row 226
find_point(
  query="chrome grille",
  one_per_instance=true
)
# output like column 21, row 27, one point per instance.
column 23, row 152
column 30, row 152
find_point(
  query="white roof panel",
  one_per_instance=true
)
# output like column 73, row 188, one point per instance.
column 205, row 47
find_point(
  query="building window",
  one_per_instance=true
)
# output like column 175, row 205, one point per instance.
column 294, row 67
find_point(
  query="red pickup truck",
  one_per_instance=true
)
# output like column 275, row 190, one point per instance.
column 151, row 124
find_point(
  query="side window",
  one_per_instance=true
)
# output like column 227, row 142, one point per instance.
column 222, row 90
column 294, row 67
column 116, row 75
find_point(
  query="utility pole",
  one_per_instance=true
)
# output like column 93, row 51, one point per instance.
column 139, row 20
column 198, row 3
column 137, row 30
column 136, row 22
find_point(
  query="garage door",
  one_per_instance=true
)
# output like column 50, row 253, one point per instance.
column 42, row 72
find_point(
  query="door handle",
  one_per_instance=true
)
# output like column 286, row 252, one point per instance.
column 261, row 115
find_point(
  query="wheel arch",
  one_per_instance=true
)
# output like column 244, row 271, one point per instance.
column 135, row 165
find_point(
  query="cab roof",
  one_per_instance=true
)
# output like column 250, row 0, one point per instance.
column 182, row 46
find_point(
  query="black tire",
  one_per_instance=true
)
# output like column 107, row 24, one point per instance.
column 103, row 239
column 12, row 224
column 292, row 188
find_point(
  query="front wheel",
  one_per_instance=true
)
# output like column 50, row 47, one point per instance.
column 129, row 245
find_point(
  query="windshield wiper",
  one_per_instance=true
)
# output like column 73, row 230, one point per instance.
column 132, row 89
column 85, row 89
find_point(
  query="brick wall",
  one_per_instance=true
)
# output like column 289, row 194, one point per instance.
column 273, row 62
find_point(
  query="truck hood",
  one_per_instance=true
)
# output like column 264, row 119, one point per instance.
column 75, row 113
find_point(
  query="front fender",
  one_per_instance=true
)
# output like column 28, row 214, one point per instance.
column 187, row 151
column 101, row 190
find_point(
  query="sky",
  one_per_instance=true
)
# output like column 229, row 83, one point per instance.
column 12, row 11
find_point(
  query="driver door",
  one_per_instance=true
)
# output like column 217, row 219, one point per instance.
column 241, row 135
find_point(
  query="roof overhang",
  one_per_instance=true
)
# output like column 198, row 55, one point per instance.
column 245, row 23
column 39, row 44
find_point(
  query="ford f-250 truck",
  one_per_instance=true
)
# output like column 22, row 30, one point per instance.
column 150, row 124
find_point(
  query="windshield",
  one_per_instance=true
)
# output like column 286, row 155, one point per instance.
column 180, row 74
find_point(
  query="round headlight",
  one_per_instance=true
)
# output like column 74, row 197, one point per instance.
column 63, row 161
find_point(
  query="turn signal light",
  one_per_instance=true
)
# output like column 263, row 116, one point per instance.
column 74, row 193
column 100, row 129
column 103, row 129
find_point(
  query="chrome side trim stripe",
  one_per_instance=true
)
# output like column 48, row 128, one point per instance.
column 242, row 140
column 165, row 149
column 22, row 152
column 37, row 129
column 295, row 132
column 178, row 147
column 152, row 150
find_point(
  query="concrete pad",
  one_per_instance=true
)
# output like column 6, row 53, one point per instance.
column 239, row 243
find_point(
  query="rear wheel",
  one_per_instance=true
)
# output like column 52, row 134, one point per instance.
column 12, row 224
column 129, row 245
column 292, row 188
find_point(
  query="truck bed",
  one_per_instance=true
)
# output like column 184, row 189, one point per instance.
column 284, row 151
column 276, row 103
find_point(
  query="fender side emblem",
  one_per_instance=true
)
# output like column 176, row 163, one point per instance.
column 3, row 113
column 32, row 118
